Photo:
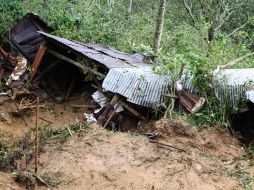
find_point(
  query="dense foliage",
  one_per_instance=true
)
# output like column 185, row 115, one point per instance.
column 200, row 33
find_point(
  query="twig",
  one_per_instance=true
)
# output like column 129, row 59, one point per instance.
column 82, row 106
column 189, row 10
column 51, row 122
column 42, row 181
column 20, row 114
column 69, row 130
column 238, row 28
column 166, row 145
column 37, row 136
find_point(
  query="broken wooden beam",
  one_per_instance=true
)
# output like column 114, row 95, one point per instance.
column 37, row 59
column 111, row 116
column 74, row 62
column 132, row 110
column 191, row 102
column 82, row 106
column 66, row 98
column 108, row 107
column 170, row 96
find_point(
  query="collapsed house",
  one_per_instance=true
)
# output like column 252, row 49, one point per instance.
column 124, row 86
column 60, row 67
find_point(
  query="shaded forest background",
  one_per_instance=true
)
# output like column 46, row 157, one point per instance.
column 130, row 27
column 199, row 33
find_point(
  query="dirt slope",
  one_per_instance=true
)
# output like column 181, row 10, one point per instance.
column 114, row 160
column 8, row 183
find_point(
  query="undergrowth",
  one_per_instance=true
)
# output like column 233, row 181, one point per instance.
column 25, row 146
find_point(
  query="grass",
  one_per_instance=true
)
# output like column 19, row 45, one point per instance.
column 51, row 179
column 244, row 179
column 61, row 135
column 250, row 150
column 9, row 157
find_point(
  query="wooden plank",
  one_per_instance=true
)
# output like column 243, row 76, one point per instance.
column 75, row 63
column 70, row 89
column 132, row 110
column 111, row 116
column 37, row 136
column 109, row 106
column 37, row 59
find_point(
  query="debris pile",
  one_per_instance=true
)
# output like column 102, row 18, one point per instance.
column 123, row 86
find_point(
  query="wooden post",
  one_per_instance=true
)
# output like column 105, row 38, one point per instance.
column 111, row 116
column 109, row 106
column 37, row 136
column 132, row 110
column 37, row 59
column 70, row 89
column 74, row 63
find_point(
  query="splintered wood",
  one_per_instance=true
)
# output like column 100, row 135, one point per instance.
column 190, row 101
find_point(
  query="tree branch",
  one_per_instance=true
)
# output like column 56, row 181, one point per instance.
column 189, row 10
column 238, row 28
column 240, row 59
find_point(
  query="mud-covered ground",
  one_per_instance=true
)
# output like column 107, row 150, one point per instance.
column 102, row 159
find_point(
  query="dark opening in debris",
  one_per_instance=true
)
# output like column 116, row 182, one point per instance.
column 243, row 124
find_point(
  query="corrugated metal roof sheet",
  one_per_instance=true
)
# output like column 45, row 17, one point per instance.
column 129, row 75
column 99, row 53
column 234, row 85
column 140, row 86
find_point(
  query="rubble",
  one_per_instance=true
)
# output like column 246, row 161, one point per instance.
column 122, row 85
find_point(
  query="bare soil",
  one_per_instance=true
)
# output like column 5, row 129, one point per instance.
column 60, row 116
column 113, row 160
column 102, row 159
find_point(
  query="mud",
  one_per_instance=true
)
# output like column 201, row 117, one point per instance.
column 113, row 160
column 101, row 159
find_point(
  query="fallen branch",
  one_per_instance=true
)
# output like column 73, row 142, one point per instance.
column 233, row 62
column 29, row 179
column 29, row 107
column 51, row 122
column 42, row 181
column 83, row 106
column 19, row 112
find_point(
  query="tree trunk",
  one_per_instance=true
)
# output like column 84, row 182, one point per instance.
column 159, row 26
column 130, row 6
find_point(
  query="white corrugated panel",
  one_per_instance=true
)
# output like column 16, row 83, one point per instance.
column 234, row 85
column 140, row 86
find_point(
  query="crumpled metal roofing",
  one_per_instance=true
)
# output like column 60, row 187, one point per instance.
column 234, row 84
column 100, row 53
column 140, row 86
column 129, row 75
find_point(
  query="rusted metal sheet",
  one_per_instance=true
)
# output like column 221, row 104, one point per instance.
column 98, row 53
column 140, row 86
column 24, row 36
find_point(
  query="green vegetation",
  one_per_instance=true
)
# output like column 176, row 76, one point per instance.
column 201, row 34
column 244, row 178
column 61, row 135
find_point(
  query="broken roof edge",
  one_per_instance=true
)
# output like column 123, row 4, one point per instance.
column 102, row 54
